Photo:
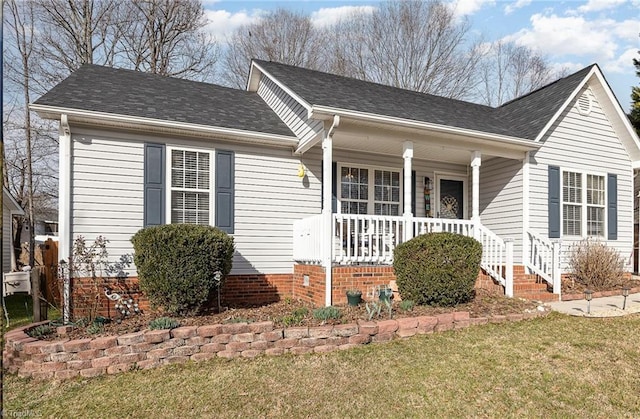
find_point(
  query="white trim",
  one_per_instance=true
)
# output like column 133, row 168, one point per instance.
column 465, row 192
column 371, row 186
column 211, row 152
column 583, row 205
column 526, row 178
column 134, row 122
column 14, row 207
column 320, row 112
column 290, row 92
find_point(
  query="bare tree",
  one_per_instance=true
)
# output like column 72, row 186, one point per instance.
column 413, row 45
column 167, row 37
column 282, row 35
column 509, row 71
column 76, row 32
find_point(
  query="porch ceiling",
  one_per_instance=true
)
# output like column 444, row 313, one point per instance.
column 438, row 146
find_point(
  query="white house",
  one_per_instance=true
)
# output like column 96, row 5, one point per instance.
column 318, row 177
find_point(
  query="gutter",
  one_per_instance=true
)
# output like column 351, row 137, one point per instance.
column 54, row 112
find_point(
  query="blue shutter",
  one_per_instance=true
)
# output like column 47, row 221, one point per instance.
column 554, row 202
column 225, row 191
column 413, row 193
column 334, row 188
column 154, row 185
column 612, row 207
column 334, row 197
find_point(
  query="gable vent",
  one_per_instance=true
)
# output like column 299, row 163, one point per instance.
column 585, row 103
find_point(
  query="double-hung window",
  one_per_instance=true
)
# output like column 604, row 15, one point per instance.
column 583, row 204
column 190, row 186
column 369, row 191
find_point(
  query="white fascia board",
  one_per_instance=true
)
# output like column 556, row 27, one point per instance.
column 52, row 112
column 290, row 92
column 635, row 164
column 324, row 112
column 618, row 109
column 15, row 208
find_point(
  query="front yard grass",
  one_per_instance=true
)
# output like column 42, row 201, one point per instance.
column 19, row 307
column 558, row 366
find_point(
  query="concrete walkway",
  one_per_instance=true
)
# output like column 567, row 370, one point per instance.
column 600, row 307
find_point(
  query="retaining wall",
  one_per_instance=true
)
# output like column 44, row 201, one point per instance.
column 64, row 359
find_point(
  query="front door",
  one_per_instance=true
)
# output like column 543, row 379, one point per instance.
column 451, row 198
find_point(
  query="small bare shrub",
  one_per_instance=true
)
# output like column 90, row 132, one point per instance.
column 595, row 265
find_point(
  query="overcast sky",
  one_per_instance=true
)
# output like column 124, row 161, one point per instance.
column 572, row 34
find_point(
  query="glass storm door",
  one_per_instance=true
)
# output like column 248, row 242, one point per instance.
column 451, row 199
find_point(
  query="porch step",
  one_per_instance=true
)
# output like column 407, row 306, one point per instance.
column 532, row 287
column 538, row 296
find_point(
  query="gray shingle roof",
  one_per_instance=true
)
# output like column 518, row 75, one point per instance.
column 524, row 117
column 134, row 93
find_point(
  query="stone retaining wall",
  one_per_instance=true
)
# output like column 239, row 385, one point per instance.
column 63, row 359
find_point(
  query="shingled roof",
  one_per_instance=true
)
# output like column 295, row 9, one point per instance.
column 524, row 117
column 134, row 93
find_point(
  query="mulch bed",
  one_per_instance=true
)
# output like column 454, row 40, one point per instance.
column 485, row 304
column 570, row 286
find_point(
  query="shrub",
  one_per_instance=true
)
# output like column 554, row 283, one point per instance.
column 326, row 313
column 406, row 305
column 40, row 331
column 437, row 268
column 177, row 265
column 595, row 265
column 95, row 328
column 296, row 317
column 163, row 323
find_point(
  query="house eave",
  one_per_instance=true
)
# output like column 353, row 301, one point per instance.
column 120, row 121
column 515, row 143
column 11, row 202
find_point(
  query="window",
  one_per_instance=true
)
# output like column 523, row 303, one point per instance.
column 190, row 187
column 354, row 190
column 361, row 193
column 387, row 193
column 583, row 204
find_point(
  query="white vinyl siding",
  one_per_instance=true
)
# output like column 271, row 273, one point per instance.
column 585, row 144
column 107, row 190
column 290, row 111
column 6, row 239
column 501, row 200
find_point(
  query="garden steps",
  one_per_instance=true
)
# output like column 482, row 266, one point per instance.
column 532, row 287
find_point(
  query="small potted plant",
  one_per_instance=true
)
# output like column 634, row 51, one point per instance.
column 354, row 297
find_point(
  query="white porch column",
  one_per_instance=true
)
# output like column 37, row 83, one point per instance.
column 475, row 185
column 407, row 155
column 327, row 211
column 64, row 210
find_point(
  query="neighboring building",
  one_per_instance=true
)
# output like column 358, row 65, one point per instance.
column 10, row 207
column 140, row 149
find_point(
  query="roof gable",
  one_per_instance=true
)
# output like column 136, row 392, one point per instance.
column 134, row 93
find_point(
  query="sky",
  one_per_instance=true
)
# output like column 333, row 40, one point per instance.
column 571, row 34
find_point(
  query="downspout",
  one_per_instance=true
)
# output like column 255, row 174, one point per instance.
column 327, row 208
column 64, row 214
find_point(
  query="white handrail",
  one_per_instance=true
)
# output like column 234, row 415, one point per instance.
column 544, row 259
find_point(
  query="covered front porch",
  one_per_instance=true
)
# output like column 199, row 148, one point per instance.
column 385, row 183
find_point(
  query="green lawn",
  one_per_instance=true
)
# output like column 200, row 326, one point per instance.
column 19, row 315
column 558, row 366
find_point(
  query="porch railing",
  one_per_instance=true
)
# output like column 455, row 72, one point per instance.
column 372, row 239
column 307, row 239
column 543, row 259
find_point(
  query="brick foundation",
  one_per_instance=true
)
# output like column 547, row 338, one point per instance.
column 64, row 359
column 237, row 291
column 307, row 283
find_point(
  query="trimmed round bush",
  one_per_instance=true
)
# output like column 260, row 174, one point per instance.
column 177, row 265
column 437, row 268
